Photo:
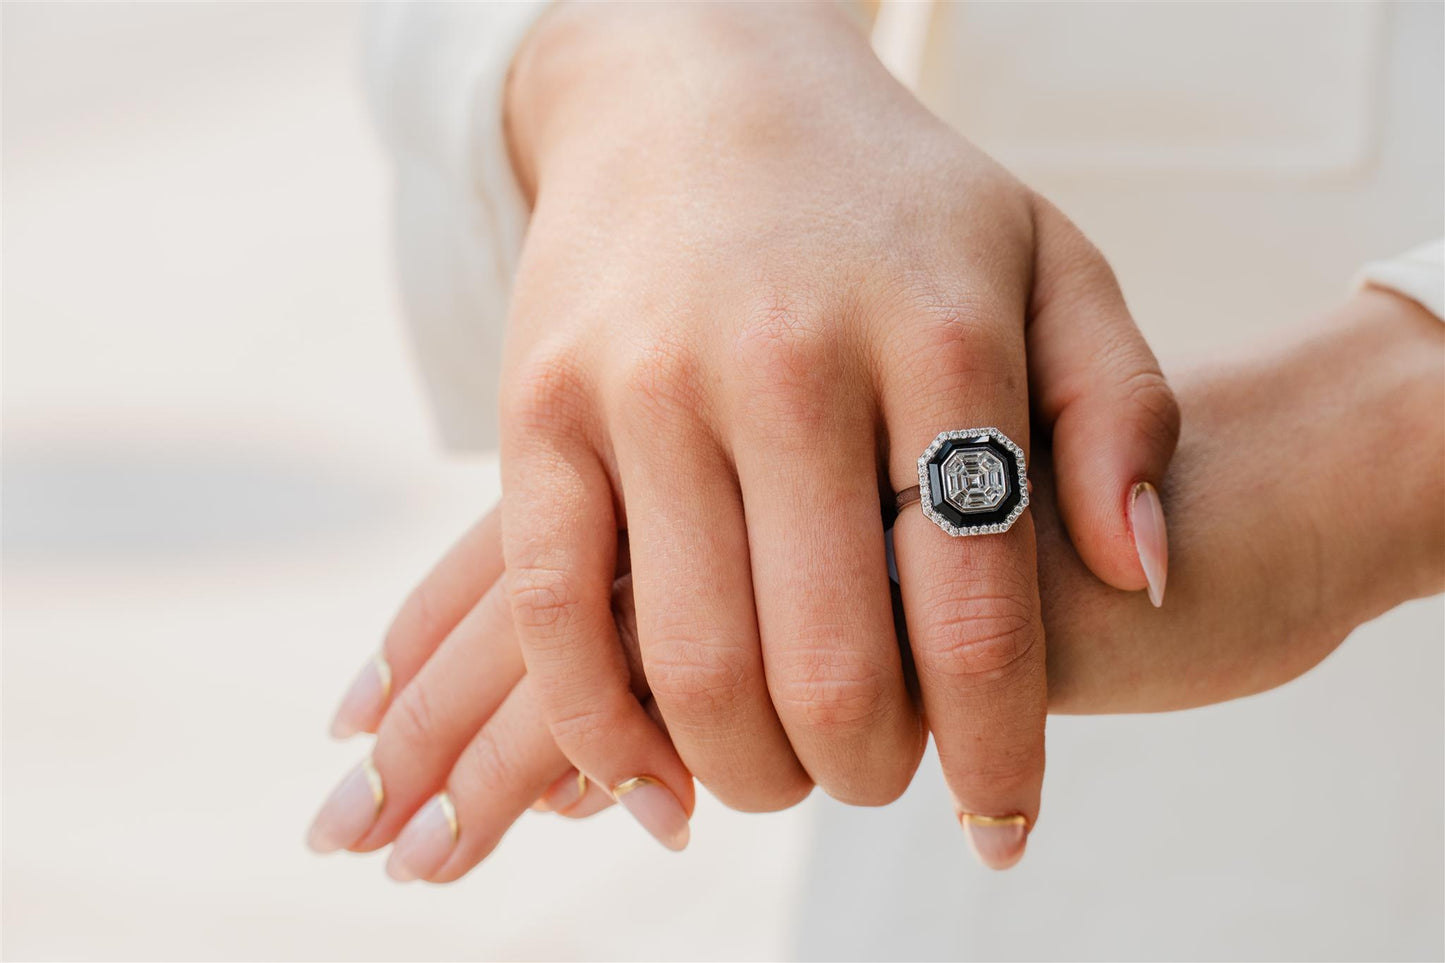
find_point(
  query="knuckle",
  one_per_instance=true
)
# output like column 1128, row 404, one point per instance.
column 961, row 341
column 577, row 729
column 1154, row 408
column 788, row 363
column 832, row 691
column 980, row 639
column 542, row 598
column 661, row 382
column 486, row 762
column 698, row 679
column 544, row 391
column 414, row 719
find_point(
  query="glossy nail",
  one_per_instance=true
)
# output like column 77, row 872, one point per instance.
column 426, row 842
column 565, row 792
column 997, row 841
column 654, row 806
column 365, row 702
column 349, row 811
column 1151, row 540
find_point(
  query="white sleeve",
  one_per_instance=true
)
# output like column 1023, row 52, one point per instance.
column 435, row 76
column 1418, row 274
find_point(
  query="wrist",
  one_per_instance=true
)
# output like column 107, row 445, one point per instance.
column 1385, row 354
column 593, row 84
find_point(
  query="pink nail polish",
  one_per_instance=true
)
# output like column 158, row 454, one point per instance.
column 365, row 702
column 997, row 841
column 654, row 806
column 1151, row 540
column 426, row 842
column 349, row 811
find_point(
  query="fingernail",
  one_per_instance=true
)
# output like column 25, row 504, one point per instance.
column 365, row 702
column 426, row 842
column 654, row 806
column 997, row 841
column 1146, row 517
column 349, row 811
column 564, row 793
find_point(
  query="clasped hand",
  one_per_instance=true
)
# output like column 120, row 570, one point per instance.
column 749, row 297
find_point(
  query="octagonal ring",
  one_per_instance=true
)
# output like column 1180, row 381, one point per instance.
column 972, row 481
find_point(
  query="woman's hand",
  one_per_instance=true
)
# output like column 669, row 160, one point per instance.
column 758, row 281
column 1269, row 579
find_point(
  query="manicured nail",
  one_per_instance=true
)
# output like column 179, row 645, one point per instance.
column 349, row 811
column 362, row 707
column 654, row 806
column 1146, row 517
column 590, row 804
column 564, row 793
column 426, row 842
column 997, row 841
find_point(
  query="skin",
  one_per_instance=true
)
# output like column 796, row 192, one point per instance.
column 1269, row 577
column 758, row 280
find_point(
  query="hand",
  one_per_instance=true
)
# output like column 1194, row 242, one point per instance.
column 758, row 281
column 1249, row 609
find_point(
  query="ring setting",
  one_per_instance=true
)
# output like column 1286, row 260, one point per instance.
column 972, row 482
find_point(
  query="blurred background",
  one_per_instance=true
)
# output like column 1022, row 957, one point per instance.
column 219, row 478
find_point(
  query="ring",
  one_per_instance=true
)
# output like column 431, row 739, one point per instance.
column 970, row 482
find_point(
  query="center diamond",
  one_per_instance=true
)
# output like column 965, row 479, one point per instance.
column 974, row 480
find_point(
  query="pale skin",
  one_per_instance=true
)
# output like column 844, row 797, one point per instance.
column 758, row 280
column 1269, row 577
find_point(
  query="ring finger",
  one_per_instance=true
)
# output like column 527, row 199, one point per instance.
column 972, row 603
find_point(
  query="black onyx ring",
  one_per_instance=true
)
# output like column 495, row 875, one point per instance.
column 971, row 482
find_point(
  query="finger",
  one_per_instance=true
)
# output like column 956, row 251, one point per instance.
column 560, row 544
column 693, row 592
column 1115, row 420
column 427, row 726
column 508, row 763
column 572, row 795
column 809, row 472
column 971, row 602
column 433, row 609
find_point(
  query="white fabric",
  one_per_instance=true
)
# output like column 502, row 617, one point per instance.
column 1236, row 163
column 436, row 74
column 1418, row 274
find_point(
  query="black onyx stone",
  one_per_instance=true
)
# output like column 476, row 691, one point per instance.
column 936, row 487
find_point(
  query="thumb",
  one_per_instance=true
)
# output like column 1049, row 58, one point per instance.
column 1115, row 421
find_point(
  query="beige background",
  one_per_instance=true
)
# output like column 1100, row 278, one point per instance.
column 219, row 479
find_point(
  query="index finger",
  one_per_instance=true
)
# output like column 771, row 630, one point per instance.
column 431, row 611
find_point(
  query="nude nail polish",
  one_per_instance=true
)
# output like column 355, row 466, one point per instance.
column 365, row 702
column 654, row 806
column 1151, row 541
column 426, row 842
column 565, row 792
column 997, row 841
column 349, row 811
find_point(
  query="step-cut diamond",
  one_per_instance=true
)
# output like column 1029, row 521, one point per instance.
column 974, row 480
